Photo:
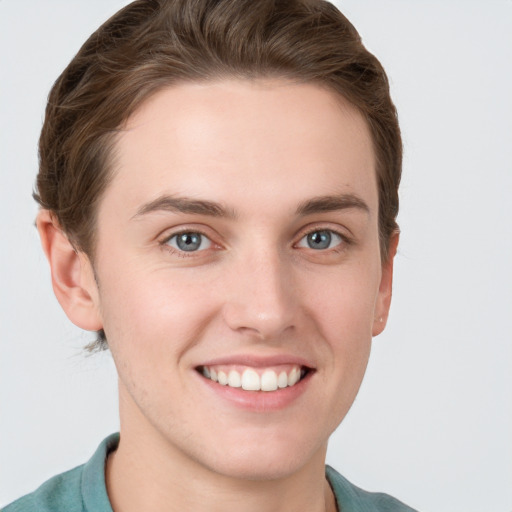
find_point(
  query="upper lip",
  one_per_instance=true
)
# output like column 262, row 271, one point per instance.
column 259, row 361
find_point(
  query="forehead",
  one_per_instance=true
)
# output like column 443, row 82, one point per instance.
column 279, row 140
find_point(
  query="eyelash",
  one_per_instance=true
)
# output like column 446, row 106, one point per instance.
column 183, row 254
column 340, row 247
column 344, row 243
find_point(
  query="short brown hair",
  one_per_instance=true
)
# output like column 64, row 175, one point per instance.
column 150, row 44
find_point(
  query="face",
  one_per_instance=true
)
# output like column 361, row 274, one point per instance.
column 239, row 273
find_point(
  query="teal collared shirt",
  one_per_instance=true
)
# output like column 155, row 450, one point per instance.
column 83, row 489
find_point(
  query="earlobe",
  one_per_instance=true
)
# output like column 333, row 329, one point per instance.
column 72, row 275
column 385, row 289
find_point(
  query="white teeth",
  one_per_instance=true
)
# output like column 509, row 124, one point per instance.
column 234, row 379
column 250, row 380
column 294, row 377
column 282, row 380
column 269, row 381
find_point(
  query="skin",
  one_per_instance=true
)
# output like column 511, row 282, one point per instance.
column 260, row 150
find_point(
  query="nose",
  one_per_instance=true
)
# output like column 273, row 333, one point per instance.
column 261, row 296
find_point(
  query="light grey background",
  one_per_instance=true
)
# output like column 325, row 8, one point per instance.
column 433, row 421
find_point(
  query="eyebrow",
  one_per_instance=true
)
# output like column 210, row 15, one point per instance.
column 321, row 204
column 185, row 205
column 332, row 203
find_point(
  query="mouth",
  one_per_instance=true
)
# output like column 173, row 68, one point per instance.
column 254, row 379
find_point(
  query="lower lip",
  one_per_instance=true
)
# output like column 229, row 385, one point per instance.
column 259, row 401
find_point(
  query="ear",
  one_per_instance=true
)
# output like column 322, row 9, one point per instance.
column 385, row 289
column 73, row 279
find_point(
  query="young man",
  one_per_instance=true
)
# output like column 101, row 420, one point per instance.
column 218, row 191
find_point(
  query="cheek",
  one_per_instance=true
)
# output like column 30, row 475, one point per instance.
column 153, row 313
column 344, row 315
column 151, row 322
column 345, row 303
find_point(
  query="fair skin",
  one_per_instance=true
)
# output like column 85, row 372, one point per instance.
column 271, row 188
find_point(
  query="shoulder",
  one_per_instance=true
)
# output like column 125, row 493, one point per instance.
column 351, row 498
column 60, row 493
column 81, row 489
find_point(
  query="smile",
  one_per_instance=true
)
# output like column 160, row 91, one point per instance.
column 255, row 379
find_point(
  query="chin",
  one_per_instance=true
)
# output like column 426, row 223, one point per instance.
column 258, row 469
column 266, row 457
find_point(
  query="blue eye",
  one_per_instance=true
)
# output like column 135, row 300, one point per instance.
column 321, row 240
column 189, row 242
